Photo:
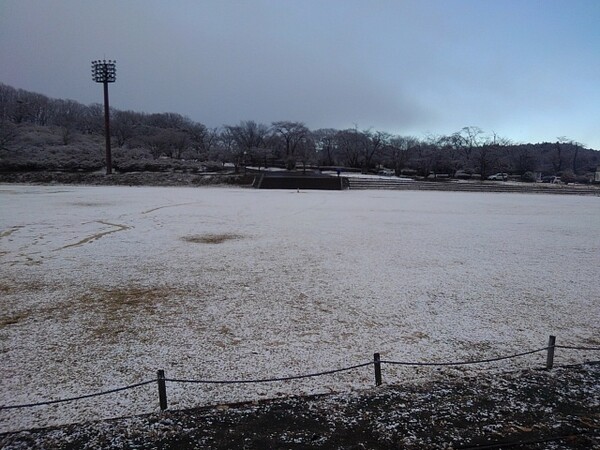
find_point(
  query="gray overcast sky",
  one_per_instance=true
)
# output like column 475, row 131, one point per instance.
column 528, row 70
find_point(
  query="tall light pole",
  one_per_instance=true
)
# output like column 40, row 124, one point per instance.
column 105, row 72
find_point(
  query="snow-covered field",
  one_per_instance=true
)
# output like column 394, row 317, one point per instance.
column 103, row 286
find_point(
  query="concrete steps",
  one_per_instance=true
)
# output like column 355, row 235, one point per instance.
column 357, row 183
column 378, row 183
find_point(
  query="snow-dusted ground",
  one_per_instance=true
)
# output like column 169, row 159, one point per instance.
column 102, row 286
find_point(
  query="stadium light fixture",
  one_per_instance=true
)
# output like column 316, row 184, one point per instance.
column 105, row 72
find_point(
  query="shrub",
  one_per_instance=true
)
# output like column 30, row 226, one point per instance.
column 584, row 179
column 528, row 177
column 567, row 176
column 213, row 166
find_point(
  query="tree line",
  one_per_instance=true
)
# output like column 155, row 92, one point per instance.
column 146, row 137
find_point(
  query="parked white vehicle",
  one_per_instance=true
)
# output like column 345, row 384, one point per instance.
column 498, row 177
column 551, row 179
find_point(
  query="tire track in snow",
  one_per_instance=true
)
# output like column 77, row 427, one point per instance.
column 97, row 235
column 167, row 206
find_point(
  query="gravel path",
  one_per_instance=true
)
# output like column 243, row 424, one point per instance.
column 558, row 409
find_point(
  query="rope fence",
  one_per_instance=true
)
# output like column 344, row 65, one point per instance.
column 464, row 363
column 81, row 397
column 570, row 347
column 377, row 362
column 269, row 380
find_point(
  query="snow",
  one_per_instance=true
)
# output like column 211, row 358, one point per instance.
column 103, row 286
column 370, row 176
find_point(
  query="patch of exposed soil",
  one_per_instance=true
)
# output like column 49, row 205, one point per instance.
column 211, row 238
column 558, row 409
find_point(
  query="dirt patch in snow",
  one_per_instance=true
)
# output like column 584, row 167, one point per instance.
column 211, row 238
column 558, row 409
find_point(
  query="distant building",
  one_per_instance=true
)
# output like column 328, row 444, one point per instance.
column 597, row 175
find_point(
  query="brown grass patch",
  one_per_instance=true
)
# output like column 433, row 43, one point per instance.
column 6, row 288
column 121, row 304
column 211, row 238
column 109, row 314
column 120, row 313
column 415, row 337
column 13, row 319
column 12, row 287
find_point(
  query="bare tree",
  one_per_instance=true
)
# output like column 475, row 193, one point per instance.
column 167, row 120
column 558, row 160
column 166, row 142
column 426, row 152
column 67, row 115
column 467, row 140
column 39, row 109
column 523, row 159
column 305, row 152
column 211, row 137
column 487, row 155
column 325, row 146
column 349, row 143
column 246, row 137
column 8, row 133
column 373, row 143
column 92, row 121
column 577, row 145
column 292, row 134
column 178, row 142
column 123, row 126
column 563, row 143
column 197, row 133
column 8, row 95
column 398, row 152
column 226, row 142
column 21, row 112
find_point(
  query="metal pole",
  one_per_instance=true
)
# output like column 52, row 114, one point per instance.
column 377, row 365
column 550, row 356
column 105, row 72
column 107, row 130
column 162, row 389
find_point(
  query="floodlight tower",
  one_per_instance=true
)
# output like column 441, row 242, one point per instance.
column 105, row 72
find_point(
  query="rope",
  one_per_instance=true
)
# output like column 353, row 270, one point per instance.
column 463, row 363
column 571, row 347
column 328, row 372
column 71, row 399
column 268, row 380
